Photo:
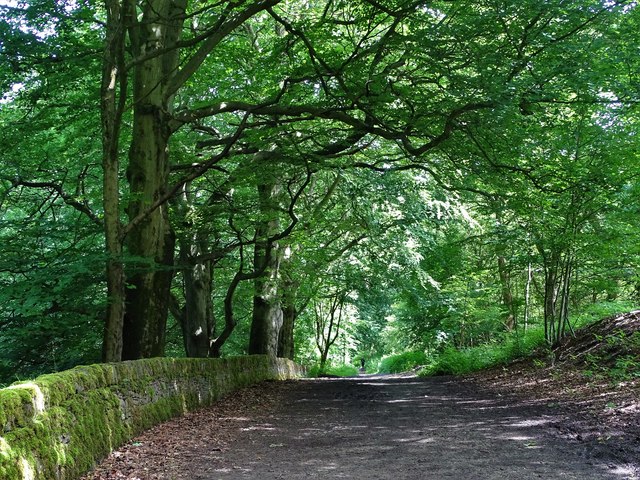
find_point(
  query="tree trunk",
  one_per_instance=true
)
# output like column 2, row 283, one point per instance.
column 550, row 295
column 286, row 344
column 112, row 106
column 197, row 322
column 266, row 323
column 507, row 296
column 267, row 313
column 150, row 237
column 196, row 317
column 567, row 272
column 327, row 325
column 152, row 240
column 558, row 272
column 527, row 294
column 229, row 320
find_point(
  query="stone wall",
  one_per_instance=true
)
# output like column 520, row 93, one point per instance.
column 57, row 426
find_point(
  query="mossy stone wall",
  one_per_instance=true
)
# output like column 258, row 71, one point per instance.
column 57, row 426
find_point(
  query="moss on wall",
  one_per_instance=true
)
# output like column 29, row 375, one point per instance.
column 57, row 426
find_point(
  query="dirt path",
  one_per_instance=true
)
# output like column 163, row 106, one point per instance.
column 392, row 428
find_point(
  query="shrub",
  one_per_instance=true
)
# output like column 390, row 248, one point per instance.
column 339, row 370
column 459, row 362
column 402, row 362
column 597, row 311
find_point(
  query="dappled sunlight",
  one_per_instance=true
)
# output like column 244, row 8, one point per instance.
column 312, row 430
column 234, row 470
column 476, row 402
column 517, row 438
column 389, row 429
column 264, row 427
column 492, row 419
column 61, row 452
column 530, row 423
column 27, row 470
column 5, row 449
column 415, row 440
column 623, row 471
column 385, row 384
column 321, row 466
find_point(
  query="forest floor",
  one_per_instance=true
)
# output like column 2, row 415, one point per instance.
column 489, row 426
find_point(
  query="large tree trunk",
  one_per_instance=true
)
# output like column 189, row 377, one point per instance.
column 196, row 317
column 197, row 321
column 113, row 84
column 147, row 299
column 286, row 344
column 267, row 312
column 290, row 311
column 151, row 238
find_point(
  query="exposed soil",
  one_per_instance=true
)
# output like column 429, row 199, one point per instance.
column 371, row 427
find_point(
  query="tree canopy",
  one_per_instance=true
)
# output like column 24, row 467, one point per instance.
column 204, row 178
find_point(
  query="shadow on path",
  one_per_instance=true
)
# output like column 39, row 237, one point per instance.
column 366, row 428
column 403, row 428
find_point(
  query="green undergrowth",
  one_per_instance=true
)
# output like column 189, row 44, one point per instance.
column 402, row 362
column 595, row 312
column 611, row 354
column 454, row 361
column 338, row 371
column 617, row 357
column 621, row 369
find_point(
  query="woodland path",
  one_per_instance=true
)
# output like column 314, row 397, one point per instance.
column 370, row 427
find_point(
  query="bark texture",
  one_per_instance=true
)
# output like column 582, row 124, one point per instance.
column 112, row 96
column 150, row 237
column 507, row 296
column 267, row 312
column 197, row 321
column 290, row 312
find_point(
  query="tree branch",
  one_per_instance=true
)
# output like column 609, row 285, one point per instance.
column 198, row 171
column 219, row 32
column 68, row 198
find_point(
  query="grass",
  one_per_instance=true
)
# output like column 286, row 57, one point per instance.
column 338, row 370
column 597, row 311
column 402, row 362
column 459, row 362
